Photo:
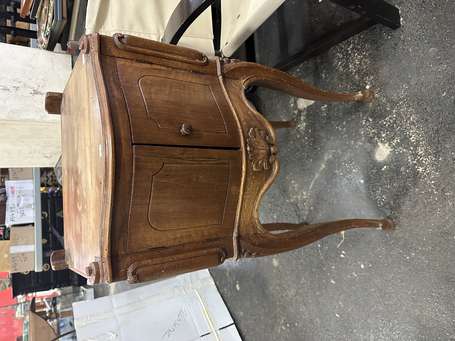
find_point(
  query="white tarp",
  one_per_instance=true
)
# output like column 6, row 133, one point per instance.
column 184, row 308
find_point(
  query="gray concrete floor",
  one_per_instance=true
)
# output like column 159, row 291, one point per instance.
column 393, row 157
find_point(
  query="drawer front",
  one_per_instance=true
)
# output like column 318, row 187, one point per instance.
column 182, row 195
column 174, row 107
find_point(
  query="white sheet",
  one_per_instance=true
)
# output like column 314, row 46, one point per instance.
column 184, row 308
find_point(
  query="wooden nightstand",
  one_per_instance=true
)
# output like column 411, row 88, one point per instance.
column 165, row 161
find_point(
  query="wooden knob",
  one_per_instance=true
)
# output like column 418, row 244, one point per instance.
column 186, row 129
column 58, row 260
column 93, row 273
column 53, row 102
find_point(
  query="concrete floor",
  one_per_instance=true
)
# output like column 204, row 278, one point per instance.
column 393, row 157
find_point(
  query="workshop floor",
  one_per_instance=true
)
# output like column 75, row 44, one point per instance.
column 393, row 157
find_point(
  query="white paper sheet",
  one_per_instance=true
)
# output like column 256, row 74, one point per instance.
column 20, row 202
column 184, row 308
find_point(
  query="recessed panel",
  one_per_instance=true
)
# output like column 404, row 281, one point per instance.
column 189, row 195
column 161, row 102
column 170, row 103
column 182, row 195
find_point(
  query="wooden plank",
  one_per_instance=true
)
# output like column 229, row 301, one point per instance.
column 86, row 161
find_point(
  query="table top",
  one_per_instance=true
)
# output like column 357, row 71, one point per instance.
column 87, row 165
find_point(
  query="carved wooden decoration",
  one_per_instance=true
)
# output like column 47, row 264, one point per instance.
column 261, row 149
column 165, row 162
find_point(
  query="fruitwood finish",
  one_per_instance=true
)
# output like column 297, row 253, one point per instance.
column 165, row 161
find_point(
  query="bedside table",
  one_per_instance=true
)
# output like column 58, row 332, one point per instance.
column 165, row 161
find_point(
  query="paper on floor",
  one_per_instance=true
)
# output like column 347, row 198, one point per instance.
column 184, row 308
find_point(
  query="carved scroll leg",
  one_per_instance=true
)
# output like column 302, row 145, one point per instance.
column 251, row 74
column 266, row 243
column 273, row 227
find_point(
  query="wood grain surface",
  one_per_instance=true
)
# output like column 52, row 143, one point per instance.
column 193, row 158
column 86, row 161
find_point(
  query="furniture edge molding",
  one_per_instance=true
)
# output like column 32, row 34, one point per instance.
column 91, row 44
column 150, row 269
column 151, row 48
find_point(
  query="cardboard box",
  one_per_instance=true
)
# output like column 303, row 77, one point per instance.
column 22, row 248
column 5, row 265
column 20, row 174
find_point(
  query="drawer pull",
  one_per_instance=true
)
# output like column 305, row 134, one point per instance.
column 186, row 129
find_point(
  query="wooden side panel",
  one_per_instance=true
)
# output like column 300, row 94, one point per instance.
column 84, row 168
column 182, row 195
column 160, row 101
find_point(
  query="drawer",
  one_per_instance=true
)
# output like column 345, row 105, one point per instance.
column 182, row 195
column 175, row 107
